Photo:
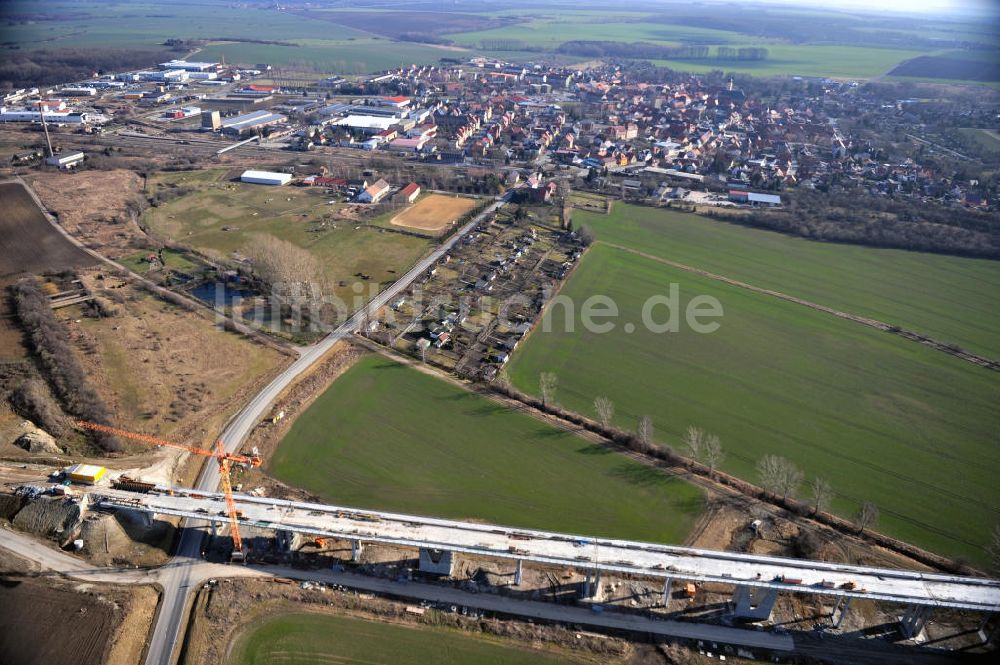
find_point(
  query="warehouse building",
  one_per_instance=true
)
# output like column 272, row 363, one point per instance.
column 249, row 122
column 190, row 66
column 65, row 160
column 64, row 116
column 266, row 178
column 87, row 474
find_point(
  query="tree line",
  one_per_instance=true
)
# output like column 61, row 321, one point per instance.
column 650, row 51
column 50, row 344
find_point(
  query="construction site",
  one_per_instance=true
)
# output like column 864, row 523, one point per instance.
column 354, row 475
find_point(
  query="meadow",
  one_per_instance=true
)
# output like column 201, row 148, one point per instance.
column 953, row 299
column 391, row 437
column 883, row 419
column 216, row 215
column 305, row 638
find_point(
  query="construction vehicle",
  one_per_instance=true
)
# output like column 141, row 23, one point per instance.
column 224, row 459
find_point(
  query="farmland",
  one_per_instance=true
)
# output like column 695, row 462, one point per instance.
column 956, row 300
column 434, row 212
column 218, row 216
column 390, row 437
column 953, row 66
column 28, row 243
column 314, row 638
column 868, row 411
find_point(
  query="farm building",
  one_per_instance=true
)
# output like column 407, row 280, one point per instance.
column 374, row 193
column 65, row 160
column 409, row 193
column 249, row 122
column 266, row 178
column 88, row 474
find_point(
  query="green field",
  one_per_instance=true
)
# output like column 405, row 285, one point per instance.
column 883, row 419
column 199, row 217
column 955, row 300
column 841, row 61
column 391, row 437
column 303, row 639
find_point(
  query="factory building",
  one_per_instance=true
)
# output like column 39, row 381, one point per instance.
column 250, row 122
column 65, row 160
column 211, row 120
column 266, row 178
column 60, row 117
column 190, row 66
column 78, row 92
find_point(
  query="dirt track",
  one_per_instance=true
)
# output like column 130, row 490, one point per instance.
column 28, row 243
column 434, row 212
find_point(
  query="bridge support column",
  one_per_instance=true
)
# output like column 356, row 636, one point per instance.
column 913, row 621
column 666, row 592
column 985, row 634
column 586, row 586
column 214, row 528
column 843, row 604
column 518, row 572
column 439, row 562
column 356, row 549
column 754, row 603
column 597, row 584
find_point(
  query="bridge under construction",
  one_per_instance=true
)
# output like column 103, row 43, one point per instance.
column 757, row 580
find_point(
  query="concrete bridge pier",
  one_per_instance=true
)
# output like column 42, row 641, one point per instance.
column 913, row 621
column 214, row 528
column 438, row 562
column 753, row 602
column 519, row 572
column 985, row 634
column 843, row 605
column 356, row 549
column 597, row 584
column 666, row 592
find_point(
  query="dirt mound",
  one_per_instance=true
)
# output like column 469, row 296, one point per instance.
column 104, row 539
column 51, row 518
column 9, row 505
column 36, row 440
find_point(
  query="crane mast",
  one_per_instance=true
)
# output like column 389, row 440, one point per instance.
column 225, row 461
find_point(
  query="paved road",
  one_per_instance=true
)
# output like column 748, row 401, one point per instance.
column 177, row 580
column 198, row 572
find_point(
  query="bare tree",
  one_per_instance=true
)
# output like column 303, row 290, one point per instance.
column 778, row 475
column 867, row 516
column 547, row 383
column 769, row 469
column 822, row 494
column 791, row 478
column 694, row 441
column 286, row 268
column 605, row 409
column 713, row 455
column 644, row 432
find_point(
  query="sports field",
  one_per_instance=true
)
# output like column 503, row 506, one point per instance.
column 320, row 639
column 434, row 212
column 956, row 300
column 883, row 419
column 390, row 437
column 218, row 216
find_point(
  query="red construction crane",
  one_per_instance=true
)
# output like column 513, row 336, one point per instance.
column 224, row 459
